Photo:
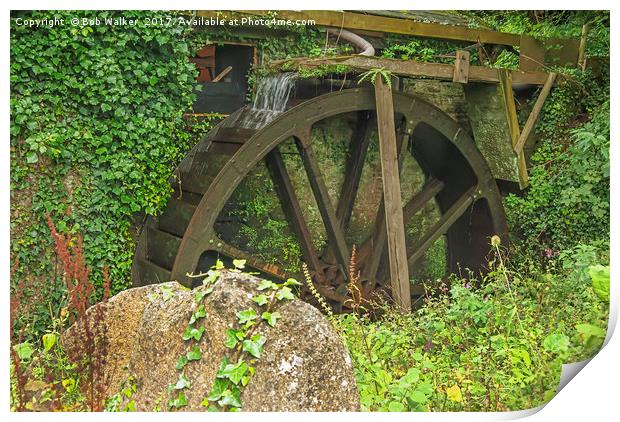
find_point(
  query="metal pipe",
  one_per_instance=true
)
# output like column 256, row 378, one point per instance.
column 366, row 49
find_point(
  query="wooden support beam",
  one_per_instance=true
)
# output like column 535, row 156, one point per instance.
column 513, row 124
column 222, row 74
column 581, row 61
column 382, row 24
column 395, row 227
column 461, row 67
column 413, row 69
column 531, row 120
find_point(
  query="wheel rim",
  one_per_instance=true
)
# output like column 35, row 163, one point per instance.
column 458, row 179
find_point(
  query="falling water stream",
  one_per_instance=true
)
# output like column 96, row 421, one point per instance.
column 272, row 96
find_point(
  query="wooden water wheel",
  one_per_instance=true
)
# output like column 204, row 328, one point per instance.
column 456, row 182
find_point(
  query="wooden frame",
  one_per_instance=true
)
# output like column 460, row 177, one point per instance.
column 414, row 69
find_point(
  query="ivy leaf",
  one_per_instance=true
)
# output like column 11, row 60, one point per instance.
column 218, row 265
column 231, row 398
column 167, row 293
column 220, row 385
column 234, row 372
column 32, row 157
column 181, row 362
column 24, row 351
column 194, row 354
column 231, row 338
column 271, row 317
column 179, row 401
column 212, row 277
column 261, row 299
column 195, row 333
column 266, row 284
column 246, row 316
column 239, row 263
column 285, row 293
column 254, row 346
column 200, row 313
column 183, row 382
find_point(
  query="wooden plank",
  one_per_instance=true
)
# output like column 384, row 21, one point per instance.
column 222, row 74
column 395, row 227
column 531, row 53
column 581, row 60
column 461, row 67
column 414, row 69
column 381, row 24
column 161, row 247
column 531, row 120
column 176, row 217
column 513, row 124
column 374, row 246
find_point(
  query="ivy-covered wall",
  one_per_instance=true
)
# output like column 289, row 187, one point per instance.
column 96, row 129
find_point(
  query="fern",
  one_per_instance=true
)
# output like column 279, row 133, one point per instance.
column 372, row 76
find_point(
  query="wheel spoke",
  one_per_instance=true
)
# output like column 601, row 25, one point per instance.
column 360, row 140
column 415, row 204
column 335, row 233
column 438, row 229
column 292, row 209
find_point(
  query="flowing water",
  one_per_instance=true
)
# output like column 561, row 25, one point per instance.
column 272, row 95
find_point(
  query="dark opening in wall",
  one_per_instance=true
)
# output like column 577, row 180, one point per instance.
column 223, row 76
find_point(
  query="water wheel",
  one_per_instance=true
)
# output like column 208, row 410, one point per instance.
column 325, row 211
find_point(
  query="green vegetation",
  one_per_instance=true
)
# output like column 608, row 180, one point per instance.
column 494, row 347
column 96, row 130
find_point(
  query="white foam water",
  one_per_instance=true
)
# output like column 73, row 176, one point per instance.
column 272, row 95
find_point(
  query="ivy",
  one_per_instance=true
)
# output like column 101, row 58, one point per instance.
column 96, row 129
column 246, row 344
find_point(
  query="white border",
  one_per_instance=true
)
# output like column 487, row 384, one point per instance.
column 591, row 394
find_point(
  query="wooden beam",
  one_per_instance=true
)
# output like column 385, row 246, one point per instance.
column 513, row 124
column 531, row 53
column 461, row 67
column 413, row 69
column 581, row 61
column 395, row 227
column 531, row 120
column 222, row 74
column 381, row 24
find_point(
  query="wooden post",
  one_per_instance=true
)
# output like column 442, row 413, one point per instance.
column 513, row 123
column 531, row 120
column 461, row 67
column 395, row 227
column 581, row 61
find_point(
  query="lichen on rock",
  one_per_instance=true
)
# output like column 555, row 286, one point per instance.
column 304, row 365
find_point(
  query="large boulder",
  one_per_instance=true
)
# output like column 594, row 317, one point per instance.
column 304, row 365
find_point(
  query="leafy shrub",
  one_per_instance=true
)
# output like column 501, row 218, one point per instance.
column 568, row 200
column 492, row 348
